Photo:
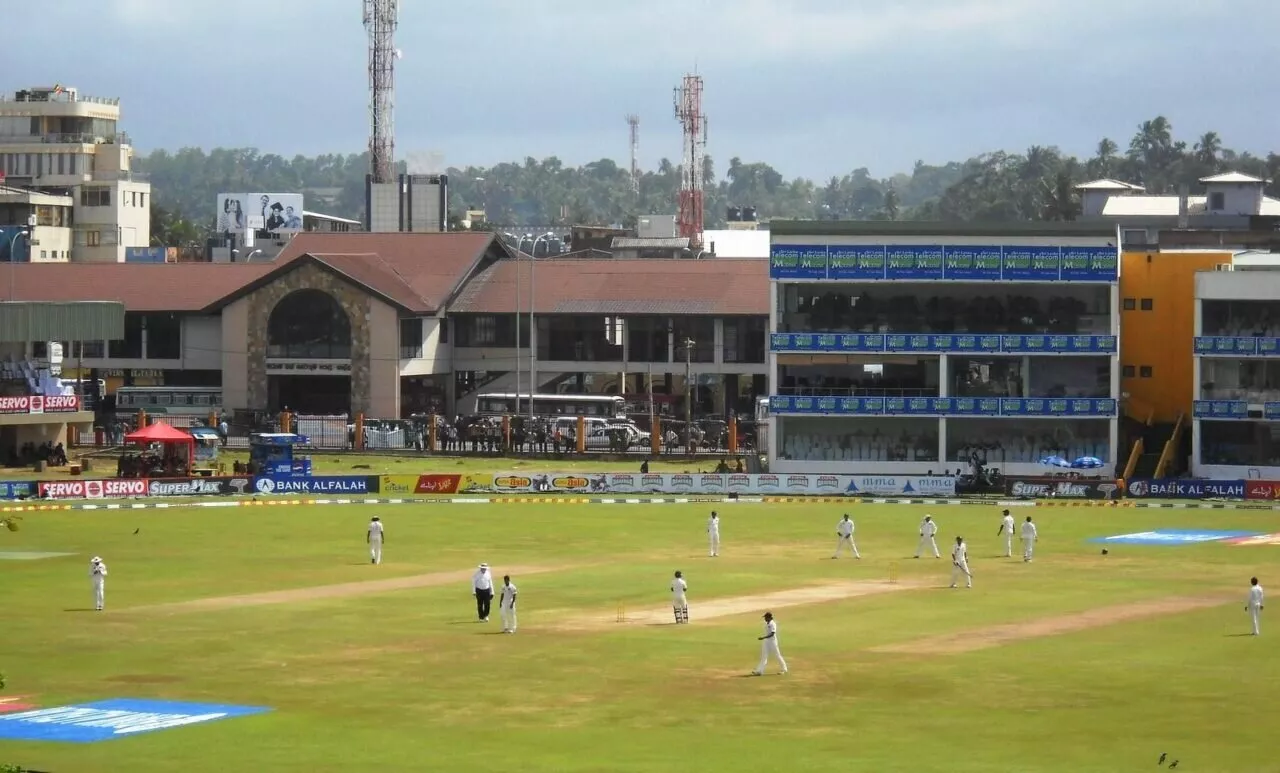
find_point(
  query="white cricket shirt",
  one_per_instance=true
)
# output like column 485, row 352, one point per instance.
column 845, row 528
column 771, row 627
column 1028, row 530
column 713, row 526
column 929, row 528
column 508, row 596
column 1255, row 596
column 482, row 581
column 1007, row 524
column 961, row 553
column 679, row 586
column 375, row 530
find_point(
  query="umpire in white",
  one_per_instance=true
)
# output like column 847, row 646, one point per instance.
column 482, row 586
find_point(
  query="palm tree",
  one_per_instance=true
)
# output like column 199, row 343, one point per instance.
column 1207, row 149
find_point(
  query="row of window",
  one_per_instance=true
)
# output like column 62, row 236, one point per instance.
column 1132, row 304
column 1141, row 371
column 42, row 164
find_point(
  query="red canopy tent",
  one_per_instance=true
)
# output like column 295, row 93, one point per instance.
column 170, row 437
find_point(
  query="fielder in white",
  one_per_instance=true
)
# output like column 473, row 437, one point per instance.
column 713, row 534
column 769, row 646
column 844, row 536
column 1029, row 536
column 98, row 577
column 1007, row 528
column 507, row 605
column 679, row 603
column 960, row 564
column 1254, row 605
column 374, row 538
column 928, row 530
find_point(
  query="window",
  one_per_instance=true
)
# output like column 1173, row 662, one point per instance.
column 44, row 254
column 410, row 338
column 1130, row 304
column 91, row 350
column 93, row 238
column 1146, row 304
column 484, row 331
column 164, row 336
column 131, row 346
column 95, row 197
column 444, row 330
column 309, row 324
column 1144, row 371
column 1128, row 371
column 1217, row 201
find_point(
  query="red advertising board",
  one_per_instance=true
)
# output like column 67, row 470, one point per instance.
column 40, row 404
column 437, row 484
column 1261, row 489
column 112, row 488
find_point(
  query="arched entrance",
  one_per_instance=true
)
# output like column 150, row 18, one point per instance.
column 309, row 354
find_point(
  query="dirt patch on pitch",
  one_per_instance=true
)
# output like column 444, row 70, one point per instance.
column 999, row 635
column 711, row 609
column 337, row 591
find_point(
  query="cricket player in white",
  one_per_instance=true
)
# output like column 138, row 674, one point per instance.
column 928, row 530
column 1007, row 528
column 769, row 646
column 713, row 533
column 960, row 564
column 1028, row 539
column 507, row 605
column 844, row 536
column 679, row 603
column 98, row 576
column 1254, row 605
column 374, row 539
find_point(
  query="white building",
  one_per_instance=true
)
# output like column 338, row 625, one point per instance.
column 908, row 347
column 1235, row 431
column 57, row 141
column 34, row 227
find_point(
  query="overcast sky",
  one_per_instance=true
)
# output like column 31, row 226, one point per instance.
column 815, row 87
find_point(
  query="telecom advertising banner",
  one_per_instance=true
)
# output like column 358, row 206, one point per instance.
column 725, row 483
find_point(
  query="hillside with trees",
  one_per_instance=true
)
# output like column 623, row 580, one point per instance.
column 1036, row 184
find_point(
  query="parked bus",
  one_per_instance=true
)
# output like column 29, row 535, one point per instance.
column 173, row 401
column 605, row 406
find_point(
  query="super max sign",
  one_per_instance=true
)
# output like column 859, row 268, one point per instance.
column 333, row 484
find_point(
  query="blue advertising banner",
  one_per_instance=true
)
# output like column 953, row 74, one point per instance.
column 324, row 484
column 12, row 489
column 1271, row 411
column 942, row 343
column 930, row 262
column 798, row 261
column 974, row 264
column 1033, row 407
column 1220, row 409
column 145, row 254
column 1186, row 489
column 1237, row 346
column 910, row 262
column 853, row 262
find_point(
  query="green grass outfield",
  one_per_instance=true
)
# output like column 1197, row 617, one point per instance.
column 383, row 679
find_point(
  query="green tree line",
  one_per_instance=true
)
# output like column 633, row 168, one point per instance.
column 1037, row 184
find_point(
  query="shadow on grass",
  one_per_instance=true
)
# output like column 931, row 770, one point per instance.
column 80, row 609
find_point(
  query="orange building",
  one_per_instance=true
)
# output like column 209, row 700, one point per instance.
column 1157, row 362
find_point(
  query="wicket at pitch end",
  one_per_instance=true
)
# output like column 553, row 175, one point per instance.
column 893, row 571
column 622, row 613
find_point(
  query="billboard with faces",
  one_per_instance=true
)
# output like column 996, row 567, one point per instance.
column 264, row 213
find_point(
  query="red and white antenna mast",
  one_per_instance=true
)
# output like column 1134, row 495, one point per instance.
column 633, row 121
column 688, row 104
column 380, row 19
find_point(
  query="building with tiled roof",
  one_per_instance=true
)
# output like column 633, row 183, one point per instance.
column 391, row 324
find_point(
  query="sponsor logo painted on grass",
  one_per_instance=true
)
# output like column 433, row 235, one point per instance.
column 19, row 555
column 1174, row 537
column 1256, row 539
column 121, row 718
column 15, row 703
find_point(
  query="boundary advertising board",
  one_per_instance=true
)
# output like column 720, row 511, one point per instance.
column 323, row 484
column 1186, row 489
column 110, row 488
column 722, row 483
column 434, row 483
column 1060, row 488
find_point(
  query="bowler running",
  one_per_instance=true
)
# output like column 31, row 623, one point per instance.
column 960, row 564
column 769, row 646
column 844, row 536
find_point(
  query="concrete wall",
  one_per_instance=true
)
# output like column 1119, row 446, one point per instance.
column 384, row 362
column 235, row 357
column 202, row 342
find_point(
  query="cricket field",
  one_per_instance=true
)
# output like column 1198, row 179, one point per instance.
column 1075, row 662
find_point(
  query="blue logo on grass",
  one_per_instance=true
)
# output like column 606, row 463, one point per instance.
column 104, row 720
column 1174, row 537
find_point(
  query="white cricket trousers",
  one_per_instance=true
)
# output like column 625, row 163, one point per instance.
column 959, row 569
column 375, row 549
column 508, row 616
column 99, row 594
column 769, row 648
column 853, row 547
column 1254, row 614
column 928, row 543
column 1008, row 544
column 1028, row 547
column 715, row 543
column 678, row 601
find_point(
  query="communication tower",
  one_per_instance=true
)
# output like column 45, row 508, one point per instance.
column 688, row 104
column 380, row 19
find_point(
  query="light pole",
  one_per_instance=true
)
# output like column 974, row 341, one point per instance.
column 517, row 341
column 533, row 275
column 689, row 343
